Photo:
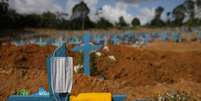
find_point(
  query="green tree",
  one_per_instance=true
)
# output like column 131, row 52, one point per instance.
column 157, row 19
column 3, row 14
column 198, row 3
column 12, row 19
column 158, row 12
column 168, row 22
column 122, row 23
column 3, row 7
column 135, row 22
column 103, row 23
column 80, row 10
column 80, row 19
column 179, row 15
column 49, row 19
column 190, row 8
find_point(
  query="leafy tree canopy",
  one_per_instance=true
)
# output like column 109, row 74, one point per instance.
column 135, row 22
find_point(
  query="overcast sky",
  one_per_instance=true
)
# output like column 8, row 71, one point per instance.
column 111, row 9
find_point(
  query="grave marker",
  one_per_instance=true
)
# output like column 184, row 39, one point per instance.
column 40, row 42
column 125, row 37
column 176, row 37
column 199, row 36
column 105, row 38
column 164, row 36
column 74, row 40
column 115, row 40
column 58, row 43
column 146, row 38
column 86, row 48
column 98, row 39
column 155, row 35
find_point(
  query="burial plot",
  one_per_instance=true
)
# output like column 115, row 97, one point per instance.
column 199, row 36
column 98, row 39
column 144, row 39
column 60, row 80
column 50, row 41
column 147, row 38
column 189, row 36
column 60, row 74
column 18, row 42
column 106, row 39
column 176, row 37
column 164, row 36
column 137, row 35
column 155, row 36
column 74, row 40
column 150, row 37
column 86, row 48
column 133, row 38
column 33, row 41
column 127, row 37
column 141, row 40
column 41, row 42
column 58, row 43
column 115, row 40
column 63, row 36
column 141, row 37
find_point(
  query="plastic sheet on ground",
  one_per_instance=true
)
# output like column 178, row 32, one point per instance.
column 41, row 92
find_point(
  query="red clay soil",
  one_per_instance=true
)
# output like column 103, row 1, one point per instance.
column 137, row 72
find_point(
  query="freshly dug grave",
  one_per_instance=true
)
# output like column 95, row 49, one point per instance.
column 136, row 72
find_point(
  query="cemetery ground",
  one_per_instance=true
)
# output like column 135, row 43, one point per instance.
column 150, row 71
column 138, row 72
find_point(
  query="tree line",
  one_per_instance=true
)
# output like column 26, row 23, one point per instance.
column 182, row 15
column 186, row 14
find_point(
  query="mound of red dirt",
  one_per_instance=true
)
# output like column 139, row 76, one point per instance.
column 136, row 72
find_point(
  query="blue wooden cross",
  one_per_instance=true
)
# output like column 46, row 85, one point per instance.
column 18, row 42
column 133, row 38
column 146, row 38
column 125, row 37
column 74, row 40
column 176, row 37
column 155, row 35
column 86, row 48
column 98, row 39
column 115, row 40
column 49, row 41
column 105, row 38
column 41, row 42
column 164, row 36
column 128, row 37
